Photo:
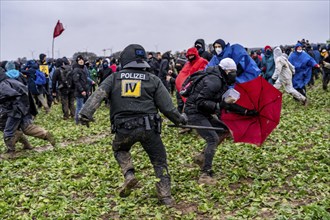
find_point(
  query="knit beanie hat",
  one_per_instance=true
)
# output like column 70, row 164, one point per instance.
column 221, row 42
column 228, row 64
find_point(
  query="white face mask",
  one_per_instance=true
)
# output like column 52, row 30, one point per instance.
column 218, row 50
column 299, row 51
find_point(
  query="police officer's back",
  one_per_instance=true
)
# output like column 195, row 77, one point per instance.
column 135, row 98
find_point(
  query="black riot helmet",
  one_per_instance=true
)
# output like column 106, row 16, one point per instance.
column 133, row 56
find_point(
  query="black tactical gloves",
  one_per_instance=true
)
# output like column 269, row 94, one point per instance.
column 84, row 120
column 251, row 113
column 181, row 120
column 232, row 107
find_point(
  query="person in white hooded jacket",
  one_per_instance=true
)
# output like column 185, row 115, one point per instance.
column 283, row 75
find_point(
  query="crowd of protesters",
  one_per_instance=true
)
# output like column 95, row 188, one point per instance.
column 134, row 111
column 71, row 82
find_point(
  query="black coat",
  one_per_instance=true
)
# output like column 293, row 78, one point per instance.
column 164, row 68
column 104, row 73
column 207, row 93
column 150, row 96
column 206, row 98
column 154, row 65
column 31, row 77
column 14, row 97
column 204, row 53
column 80, row 81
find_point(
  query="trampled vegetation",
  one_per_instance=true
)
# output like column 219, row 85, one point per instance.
column 287, row 178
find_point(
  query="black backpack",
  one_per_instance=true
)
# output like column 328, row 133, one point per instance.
column 190, row 83
column 66, row 77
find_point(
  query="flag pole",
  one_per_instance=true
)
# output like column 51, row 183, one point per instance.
column 53, row 49
column 57, row 32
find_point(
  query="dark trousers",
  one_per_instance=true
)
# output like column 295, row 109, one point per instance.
column 48, row 94
column 151, row 143
column 67, row 100
column 315, row 72
column 325, row 78
column 213, row 138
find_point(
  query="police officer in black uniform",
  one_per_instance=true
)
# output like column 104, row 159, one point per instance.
column 135, row 96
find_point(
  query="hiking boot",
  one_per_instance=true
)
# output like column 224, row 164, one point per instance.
column 27, row 147
column 206, row 179
column 10, row 154
column 199, row 159
column 25, row 142
column 10, row 144
column 130, row 182
column 167, row 201
column 20, row 137
column 50, row 138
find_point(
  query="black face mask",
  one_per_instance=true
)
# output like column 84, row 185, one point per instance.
column 230, row 77
column 105, row 66
column 192, row 58
column 200, row 49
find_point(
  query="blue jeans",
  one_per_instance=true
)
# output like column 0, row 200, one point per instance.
column 80, row 104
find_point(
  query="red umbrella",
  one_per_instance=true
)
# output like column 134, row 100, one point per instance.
column 259, row 95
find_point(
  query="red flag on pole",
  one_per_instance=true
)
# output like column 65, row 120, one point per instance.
column 58, row 29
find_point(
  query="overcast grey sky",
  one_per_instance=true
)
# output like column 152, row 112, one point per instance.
column 27, row 26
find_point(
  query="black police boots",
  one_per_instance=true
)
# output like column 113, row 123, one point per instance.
column 130, row 182
column 163, row 188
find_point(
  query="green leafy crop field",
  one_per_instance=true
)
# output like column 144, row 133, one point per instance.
column 287, row 178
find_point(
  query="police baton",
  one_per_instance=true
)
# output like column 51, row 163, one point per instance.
column 197, row 127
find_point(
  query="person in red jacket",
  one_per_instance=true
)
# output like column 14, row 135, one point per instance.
column 113, row 65
column 195, row 63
